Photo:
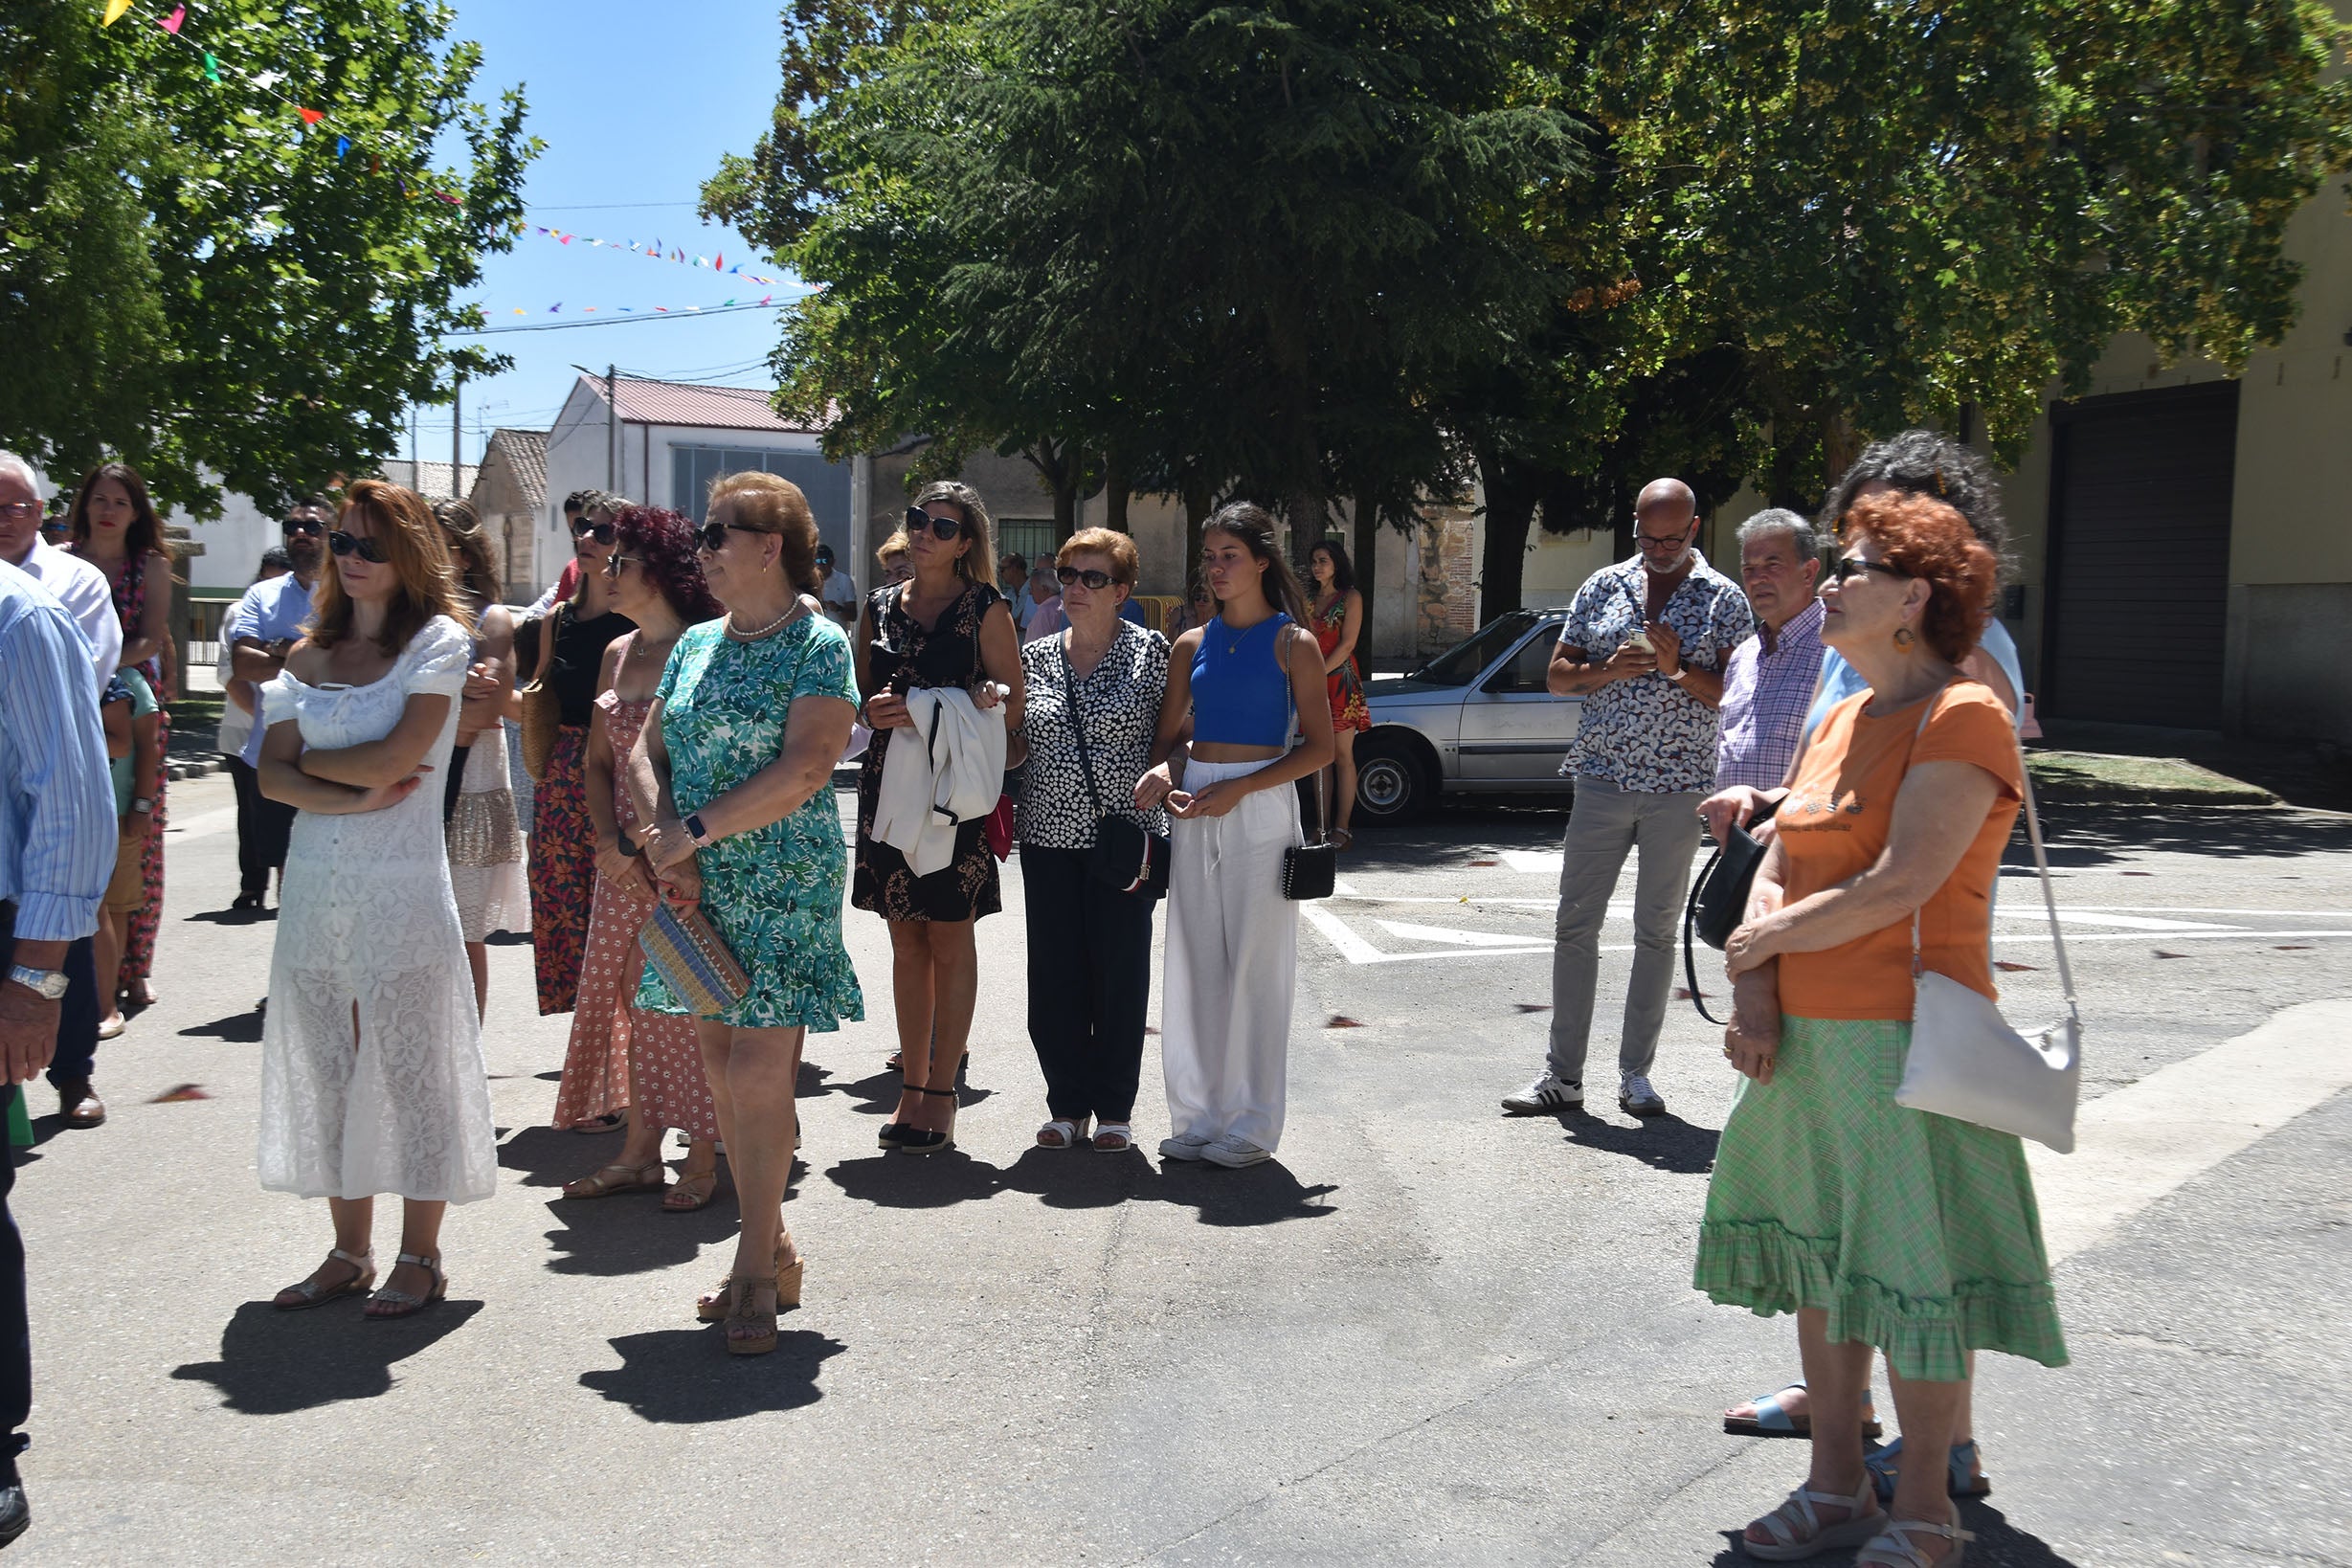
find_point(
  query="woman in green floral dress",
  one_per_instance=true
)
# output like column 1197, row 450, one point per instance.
column 736, row 763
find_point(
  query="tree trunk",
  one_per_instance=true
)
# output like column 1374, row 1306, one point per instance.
column 1511, row 510
column 1198, row 497
column 1367, row 553
column 1114, row 492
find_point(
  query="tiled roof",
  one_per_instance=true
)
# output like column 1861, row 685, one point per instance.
column 677, row 403
column 430, row 480
column 526, row 454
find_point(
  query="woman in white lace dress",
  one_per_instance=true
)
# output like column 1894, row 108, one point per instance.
column 371, row 1069
column 477, row 815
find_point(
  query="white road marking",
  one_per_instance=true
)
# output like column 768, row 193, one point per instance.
column 2087, row 917
column 1447, row 933
column 2143, row 1141
column 1535, row 862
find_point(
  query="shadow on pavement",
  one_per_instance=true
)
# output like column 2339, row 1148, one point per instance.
column 237, row 1029
column 273, row 1363
column 1666, row 1143
column 630, row 1233
column 1998, row 1544
column 1258, row 1195
column 679, row 1375
column 1084, row 1179
column 2094, row 836
column 553, row 1155
column 232, row 917
column 897, row 1180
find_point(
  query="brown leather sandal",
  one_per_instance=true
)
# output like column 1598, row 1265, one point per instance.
column 712, row 1306
column 691, row 1192
column 309, row 1292
column 607, row 1179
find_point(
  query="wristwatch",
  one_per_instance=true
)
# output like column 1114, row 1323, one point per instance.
column 693, row 824
column 48, row 984
column 142, row 804
column 1680, row 672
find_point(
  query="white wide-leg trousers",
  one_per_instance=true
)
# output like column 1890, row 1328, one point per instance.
column 1232, row 964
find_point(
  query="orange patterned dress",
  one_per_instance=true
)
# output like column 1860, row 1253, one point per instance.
column 611, row 1041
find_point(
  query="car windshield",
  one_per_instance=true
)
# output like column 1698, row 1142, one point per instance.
column 1461, row 665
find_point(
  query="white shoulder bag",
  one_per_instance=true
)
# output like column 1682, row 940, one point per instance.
column 1965, row 1061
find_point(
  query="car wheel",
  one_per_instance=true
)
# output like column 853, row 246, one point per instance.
column 1392, row 784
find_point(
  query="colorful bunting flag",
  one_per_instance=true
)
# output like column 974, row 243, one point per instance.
column 342, row 144
column 114, row 11
column 171, row 23
column 310, row 117
column 212, row 68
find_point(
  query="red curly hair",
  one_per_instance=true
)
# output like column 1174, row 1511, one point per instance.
column 665, row 540
column 1927, row 539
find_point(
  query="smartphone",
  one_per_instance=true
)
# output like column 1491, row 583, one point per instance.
column 1641, row 639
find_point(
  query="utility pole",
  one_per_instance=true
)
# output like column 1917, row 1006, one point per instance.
column 456, row 432
column 612, row 430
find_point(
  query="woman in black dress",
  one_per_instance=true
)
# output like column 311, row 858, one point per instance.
column 948, row 627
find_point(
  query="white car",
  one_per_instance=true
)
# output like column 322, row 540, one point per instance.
column 1477, row 717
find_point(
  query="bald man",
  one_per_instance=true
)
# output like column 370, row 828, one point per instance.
column 1643, row 645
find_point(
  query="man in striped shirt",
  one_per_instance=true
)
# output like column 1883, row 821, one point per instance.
column 1768, row 682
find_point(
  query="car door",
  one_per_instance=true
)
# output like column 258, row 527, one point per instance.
column 1514, row 730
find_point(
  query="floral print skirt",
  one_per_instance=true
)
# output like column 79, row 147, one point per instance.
column 563, row 857
column 620, row 1056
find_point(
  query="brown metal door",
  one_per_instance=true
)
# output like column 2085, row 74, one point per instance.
column 2138, row 564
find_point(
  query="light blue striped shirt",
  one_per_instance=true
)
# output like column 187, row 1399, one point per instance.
column 58, row 833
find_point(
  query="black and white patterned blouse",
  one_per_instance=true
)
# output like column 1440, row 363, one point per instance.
column 1120, row 701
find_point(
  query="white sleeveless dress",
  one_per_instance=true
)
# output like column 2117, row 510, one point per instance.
column 368, row 926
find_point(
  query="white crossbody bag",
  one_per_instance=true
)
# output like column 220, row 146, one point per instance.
column 1965, row 1061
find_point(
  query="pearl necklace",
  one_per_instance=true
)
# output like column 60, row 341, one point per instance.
column 736, row 634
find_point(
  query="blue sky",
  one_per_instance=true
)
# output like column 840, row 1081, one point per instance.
column 636, row 104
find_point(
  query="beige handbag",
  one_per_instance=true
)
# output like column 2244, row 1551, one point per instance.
column 1965, row 1061
column 542, row 710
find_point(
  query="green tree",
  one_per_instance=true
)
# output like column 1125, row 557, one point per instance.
column 197, row 280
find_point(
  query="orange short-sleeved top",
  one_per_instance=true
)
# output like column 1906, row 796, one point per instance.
column 1834, row 825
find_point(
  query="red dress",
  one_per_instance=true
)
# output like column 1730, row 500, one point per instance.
column 1345, row 687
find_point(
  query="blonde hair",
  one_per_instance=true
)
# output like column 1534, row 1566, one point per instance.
column 768, row 503
column 418, row 555
column 898, row 545
column 1110, row 542
column 978, row 563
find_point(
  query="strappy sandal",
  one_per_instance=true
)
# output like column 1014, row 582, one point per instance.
column 1894, row 1548
column 897, row 1062
column 922, row 1140
column 746, row 1313
column 390, row 1302
column 607, row 1179
column 1771, row 1420
column 1962, row 1477
column 712, row 1308
column 309, row 1292
column 1062, row 1133
column 689, row 1193
column 1798, row 1532
column 1114, row 1138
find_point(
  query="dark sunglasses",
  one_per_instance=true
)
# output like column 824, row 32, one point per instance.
column 614, row 562
column 601, row 532
column 1848, row 567
column 370, row 550
column 292, row 525
column 1096, row 580
column 712, row 536
column 942, row 527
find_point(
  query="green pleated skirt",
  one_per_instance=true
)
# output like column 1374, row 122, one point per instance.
column 1915, row 1232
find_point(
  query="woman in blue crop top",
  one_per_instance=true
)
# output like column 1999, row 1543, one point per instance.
column 1235, row 684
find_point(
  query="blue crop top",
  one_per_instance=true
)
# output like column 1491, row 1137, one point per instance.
column 1240, row 690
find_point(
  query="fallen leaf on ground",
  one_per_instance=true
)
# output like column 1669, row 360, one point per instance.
column 2013, row 969
column 1486, row 862
column 179, row 1091
column 2294, row 947
column 1340, row 1021
column 2162, row 953
column 1532, row 1007
column 2137, row 873
column 1681, row 993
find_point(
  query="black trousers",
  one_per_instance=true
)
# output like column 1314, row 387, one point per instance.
column 1090, row 984
column 15, row 1339
column 262, row 828
column 78, row 1017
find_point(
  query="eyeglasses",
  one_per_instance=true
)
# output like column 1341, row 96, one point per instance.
column 292, row 525
column 370, row 550
column 16, row 512
column 1675, row 542
column 712, row 536
column 941, row 527
column 601, row 532
column 1842, row 570
column 1096, row 580
column 614, row 562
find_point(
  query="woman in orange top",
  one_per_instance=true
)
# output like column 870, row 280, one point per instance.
column 1878, row 1226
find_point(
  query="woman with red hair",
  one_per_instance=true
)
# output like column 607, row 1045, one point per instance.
column 1877, row 1225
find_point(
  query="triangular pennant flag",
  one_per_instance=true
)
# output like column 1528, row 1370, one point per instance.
column 765, row 297
column 212, row 68
column 556, row 307
column 518, row 310
column 171, row 23
column 342, row 144
column 565, row 239
column 310, row 117
column 717, row 261
column 722, row 304
column 268, row 79
column 114, row 11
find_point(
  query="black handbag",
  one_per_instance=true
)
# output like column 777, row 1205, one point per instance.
column 1719, row 899
column 1126, row 856
column 1312, row 870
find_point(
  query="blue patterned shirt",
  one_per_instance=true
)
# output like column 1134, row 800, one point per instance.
column 58, row 828
column 1647, row 736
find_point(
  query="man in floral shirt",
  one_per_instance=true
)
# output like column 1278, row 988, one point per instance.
column 1644, row 645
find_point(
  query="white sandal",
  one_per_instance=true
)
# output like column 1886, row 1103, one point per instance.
column 1894, row 1548
column 1069, row 1134
column 1122, row 1137
column 315, row 1294
column 388, row 1302
column 1798, row 1532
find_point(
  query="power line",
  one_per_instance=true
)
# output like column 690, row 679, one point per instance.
column 603, row 206
column 680, row 314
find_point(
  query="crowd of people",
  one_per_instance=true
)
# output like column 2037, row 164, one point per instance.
column 654, row 742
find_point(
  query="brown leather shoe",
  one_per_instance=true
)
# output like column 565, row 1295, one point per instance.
column 82, row 1108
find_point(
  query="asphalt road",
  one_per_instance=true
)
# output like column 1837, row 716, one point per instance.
column 1426, row 1335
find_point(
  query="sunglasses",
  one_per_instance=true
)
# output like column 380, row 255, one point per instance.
column 614, row 562
column 1848, row 567
column 370, row 550
column 601, row 532
column 292, row 525
column 941, row 527
column 1096, row 580
column 712, row 536
column 1676, row 542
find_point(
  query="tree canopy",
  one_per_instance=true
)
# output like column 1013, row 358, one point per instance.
column 203, row 280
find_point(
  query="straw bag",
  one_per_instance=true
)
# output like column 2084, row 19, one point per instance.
column 684, row 949
column 542, row 710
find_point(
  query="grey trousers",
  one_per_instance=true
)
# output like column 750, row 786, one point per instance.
column 1606, row 824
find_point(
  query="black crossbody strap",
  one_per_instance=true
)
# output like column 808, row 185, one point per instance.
column 1077, row 728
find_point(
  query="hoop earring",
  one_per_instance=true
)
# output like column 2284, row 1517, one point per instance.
column 1904, row 638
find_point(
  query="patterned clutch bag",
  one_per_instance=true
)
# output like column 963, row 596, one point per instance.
column 702, row 974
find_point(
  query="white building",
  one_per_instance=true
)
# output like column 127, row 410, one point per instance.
column 662, row 442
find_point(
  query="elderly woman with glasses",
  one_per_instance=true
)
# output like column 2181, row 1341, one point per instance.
column 945, row 628
column 572, row 644
column 1096, row 690
column 734, row 769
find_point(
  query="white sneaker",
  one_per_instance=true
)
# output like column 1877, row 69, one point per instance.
column 1235, row 1153
column 1186, row 1147
column 1636, row 1098
column 1546, row 1093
